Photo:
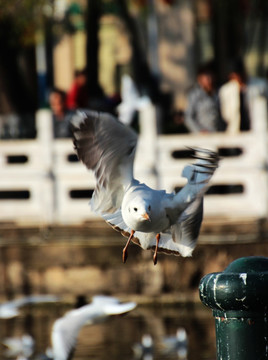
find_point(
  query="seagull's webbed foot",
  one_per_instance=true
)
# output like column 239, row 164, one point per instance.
column 156, row 248
column 125, row 254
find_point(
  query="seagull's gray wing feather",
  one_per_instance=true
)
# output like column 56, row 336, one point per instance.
column 107, row 147
column 185, row 232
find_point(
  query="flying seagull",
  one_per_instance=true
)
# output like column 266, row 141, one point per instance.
column 145, row 349
column 11, row 308
column 66, row 329
column 23, row 346
column 176, row 344
column 154, row 219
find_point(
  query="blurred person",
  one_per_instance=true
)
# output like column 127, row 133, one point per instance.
column 234, row 99
column 175, row 123
column 178, row 122
column 258, row 87
column 202, row 113
column 9, row 126
column 61, row 115
column 77, row 96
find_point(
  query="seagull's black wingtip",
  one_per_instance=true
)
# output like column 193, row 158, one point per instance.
column 205, row 154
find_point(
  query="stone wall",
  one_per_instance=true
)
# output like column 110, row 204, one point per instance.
column 72, row 265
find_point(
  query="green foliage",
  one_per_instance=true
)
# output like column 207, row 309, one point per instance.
column 23, row 17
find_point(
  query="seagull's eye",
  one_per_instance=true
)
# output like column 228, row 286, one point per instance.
column 135, row 209
column 149, row 207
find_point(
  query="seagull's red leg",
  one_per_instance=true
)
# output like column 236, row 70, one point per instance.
column 125, row 248
column 156, row 248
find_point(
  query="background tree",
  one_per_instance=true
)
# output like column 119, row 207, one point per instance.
column 18, row 23
column 18, row 84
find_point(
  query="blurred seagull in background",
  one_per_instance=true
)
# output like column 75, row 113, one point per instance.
column 153, row 219
column 10, row 309
column 145, row 349
column 176, row 344
column 22, row 347
column 66, row 329
column 131, row 100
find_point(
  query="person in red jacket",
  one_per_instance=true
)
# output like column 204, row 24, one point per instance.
column 77, row 96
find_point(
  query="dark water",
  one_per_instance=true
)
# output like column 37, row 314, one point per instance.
column 113, row 339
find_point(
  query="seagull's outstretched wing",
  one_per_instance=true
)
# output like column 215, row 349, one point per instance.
column 35, row 299
column 117, row 309
column 10, row 309
column 64, row 336
column 66, row 329
column 186, row 230
column 111, row 305
column 107, row 147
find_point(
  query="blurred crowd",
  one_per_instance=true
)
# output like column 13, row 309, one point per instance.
column 209, row 107
column 224, row 108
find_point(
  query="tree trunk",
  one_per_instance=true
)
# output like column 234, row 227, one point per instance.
column 92, row 50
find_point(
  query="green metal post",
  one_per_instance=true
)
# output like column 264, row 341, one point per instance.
column 238, row 297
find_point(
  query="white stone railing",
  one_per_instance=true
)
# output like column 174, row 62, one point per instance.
column 41, row 185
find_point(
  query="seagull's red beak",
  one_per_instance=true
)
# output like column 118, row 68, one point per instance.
column 146, row 216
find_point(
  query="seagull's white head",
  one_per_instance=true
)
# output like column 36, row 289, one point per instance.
column 140, row 210
column 137, row 214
